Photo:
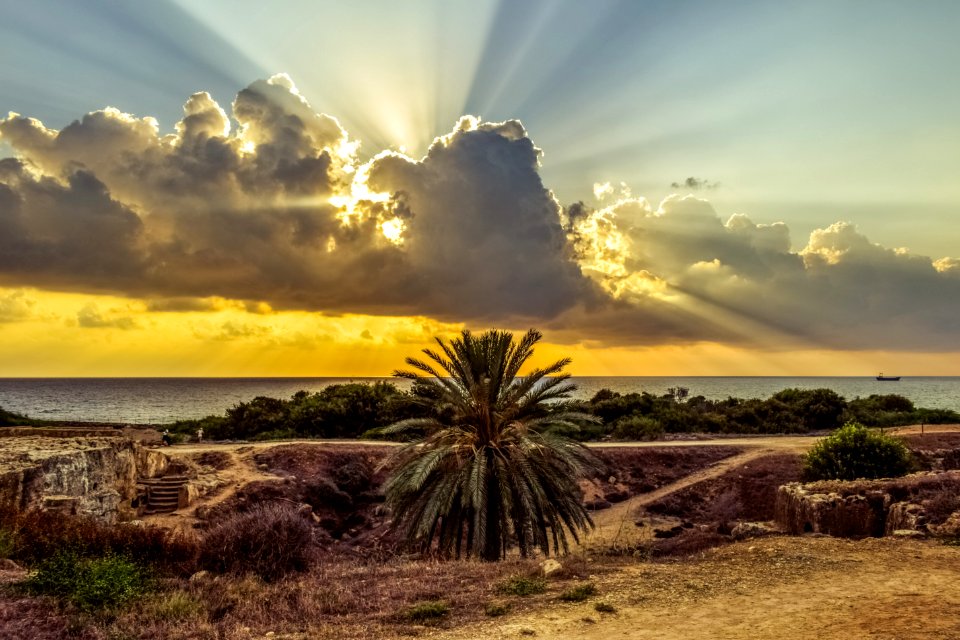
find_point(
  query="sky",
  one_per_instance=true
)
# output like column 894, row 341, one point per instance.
column 318, row 188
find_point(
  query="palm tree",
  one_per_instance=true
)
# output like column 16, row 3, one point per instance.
column 489, row 473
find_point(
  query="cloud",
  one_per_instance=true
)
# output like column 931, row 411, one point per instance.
column 90, row 317
column 268, row 207
column 686, row 274
column 695, row 184
column 16, row 306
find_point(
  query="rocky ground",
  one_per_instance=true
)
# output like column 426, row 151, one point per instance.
column 662, row 559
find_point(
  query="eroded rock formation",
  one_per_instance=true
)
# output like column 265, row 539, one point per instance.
column 86, row 476
column 920, row 502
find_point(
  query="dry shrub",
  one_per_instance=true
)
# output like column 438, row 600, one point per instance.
column 39, row 535
column 270, row 541
column 34, row 619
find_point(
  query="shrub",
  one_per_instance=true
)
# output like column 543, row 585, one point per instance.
column 11, row 419
column 579, row 593
column 39, row 535
column 522, row 586
column 270, row 541
column 604, row 607
column 427, row 611
column 854, row 451
column 89, row 583
column 496, row 609
column 637, row 428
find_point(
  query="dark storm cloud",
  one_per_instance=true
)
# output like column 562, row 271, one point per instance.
column 273, row 209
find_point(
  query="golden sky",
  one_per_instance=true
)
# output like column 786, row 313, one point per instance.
column 68, row 334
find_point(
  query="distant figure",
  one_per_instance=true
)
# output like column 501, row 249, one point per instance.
column 166, row 439
column 200, row 434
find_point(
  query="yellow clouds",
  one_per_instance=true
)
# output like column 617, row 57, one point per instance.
column 63, row 334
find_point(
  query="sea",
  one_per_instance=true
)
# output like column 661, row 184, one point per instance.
column 164, row 400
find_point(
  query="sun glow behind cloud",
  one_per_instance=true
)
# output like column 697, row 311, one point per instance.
column 625, row 97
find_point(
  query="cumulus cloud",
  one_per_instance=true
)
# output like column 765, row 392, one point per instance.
column 268, row 206
column 90, row 317
column 739, row 281
column 16, row 306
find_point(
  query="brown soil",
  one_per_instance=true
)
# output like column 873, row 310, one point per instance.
column 793, row 588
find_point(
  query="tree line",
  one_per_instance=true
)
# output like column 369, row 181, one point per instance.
column 363, row 410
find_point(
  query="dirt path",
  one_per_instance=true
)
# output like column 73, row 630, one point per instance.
column 785, row 588
column 241, row 470
column 615, row 526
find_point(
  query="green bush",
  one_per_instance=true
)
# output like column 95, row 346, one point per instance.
column 89, row 583
column 854, row 451
column 427, row 611
column 11, row 419
column 522, row 586
column 579, row 593
column 637, row 428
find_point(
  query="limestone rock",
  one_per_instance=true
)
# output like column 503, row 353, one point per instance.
column 92, row 476
column 549, row 567
column 905, row 516
column 744, row 530
column 950, row 528
column 862, row 508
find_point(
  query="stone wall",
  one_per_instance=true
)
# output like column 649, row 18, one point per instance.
column 85, row 476
column 862, row 508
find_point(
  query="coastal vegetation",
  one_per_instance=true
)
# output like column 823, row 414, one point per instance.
column 854, row 452
column 362, row 410
column 489, row 472
column 11, row 419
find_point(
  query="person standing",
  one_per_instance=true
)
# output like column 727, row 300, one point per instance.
column 200, row 434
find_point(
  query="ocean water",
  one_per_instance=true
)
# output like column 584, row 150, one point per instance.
column 160, row 400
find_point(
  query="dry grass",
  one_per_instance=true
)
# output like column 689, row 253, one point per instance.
column 339, row 598
column 38, row 535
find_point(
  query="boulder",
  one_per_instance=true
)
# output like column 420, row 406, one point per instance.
column 549, row 567
column 905, row 516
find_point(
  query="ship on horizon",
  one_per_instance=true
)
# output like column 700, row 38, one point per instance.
column 884, row 378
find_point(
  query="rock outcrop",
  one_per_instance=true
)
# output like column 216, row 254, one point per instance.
column 867, row 508
column 85, row 476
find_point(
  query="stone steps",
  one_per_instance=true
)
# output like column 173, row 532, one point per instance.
column 163, row 494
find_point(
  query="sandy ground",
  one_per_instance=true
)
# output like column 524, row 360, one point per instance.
column 784, row 588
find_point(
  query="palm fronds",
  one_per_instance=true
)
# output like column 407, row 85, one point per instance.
column 487, row 476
